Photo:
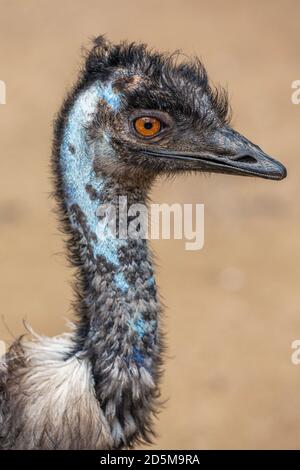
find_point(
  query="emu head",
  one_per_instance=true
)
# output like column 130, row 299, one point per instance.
column 160, row 117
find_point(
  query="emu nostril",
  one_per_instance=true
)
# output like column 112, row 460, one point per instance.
column 245, row 159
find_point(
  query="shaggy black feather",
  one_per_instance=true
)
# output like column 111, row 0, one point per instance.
column 125, row 366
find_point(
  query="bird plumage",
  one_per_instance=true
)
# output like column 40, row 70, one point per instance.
column 97, row 387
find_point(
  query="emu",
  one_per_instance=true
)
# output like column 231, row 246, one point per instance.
column 133, row 115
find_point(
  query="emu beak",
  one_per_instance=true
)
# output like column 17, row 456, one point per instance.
column 228, row 152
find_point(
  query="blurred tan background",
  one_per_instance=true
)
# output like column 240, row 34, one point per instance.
column 233, row 308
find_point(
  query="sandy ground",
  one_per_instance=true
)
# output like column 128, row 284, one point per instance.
column 233, row 308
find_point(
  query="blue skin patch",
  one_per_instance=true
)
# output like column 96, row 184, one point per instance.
column 137, row 356
column 77, row 170
column 78, row 173
column 121, row 282
column 140, row 327
column 151, row 281
column 111, row 98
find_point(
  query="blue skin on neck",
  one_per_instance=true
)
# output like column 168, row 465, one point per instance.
column 77, row 170
column 78, row 173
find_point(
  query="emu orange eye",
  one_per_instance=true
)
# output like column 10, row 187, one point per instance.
column 147, row 126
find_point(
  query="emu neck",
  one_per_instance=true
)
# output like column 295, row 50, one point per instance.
column 117, row 303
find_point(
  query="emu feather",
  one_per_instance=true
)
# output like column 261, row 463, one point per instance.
column 98, row 386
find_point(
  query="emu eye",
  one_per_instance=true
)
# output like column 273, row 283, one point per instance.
column 148, row 126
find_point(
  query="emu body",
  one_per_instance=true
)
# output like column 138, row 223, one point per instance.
column 98, row 386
